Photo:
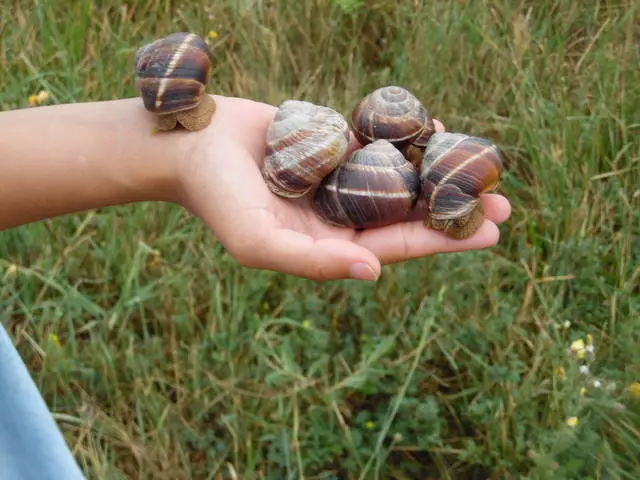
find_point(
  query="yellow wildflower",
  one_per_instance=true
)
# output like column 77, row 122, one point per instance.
column 559, row 371
column 370, row 425
column 55, row 339
column 212, row 34
column 306, row 324
column 634, row 390
column 583, row 391
column 38, row 99
column 578, row 348
column 12, row 269
column 43, row 96
column 572, row 421
column 577, row 345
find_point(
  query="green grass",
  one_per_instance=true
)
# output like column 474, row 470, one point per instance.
column 174, row 362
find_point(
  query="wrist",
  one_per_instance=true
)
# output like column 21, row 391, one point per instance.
column 148, row 162
column 203, row 150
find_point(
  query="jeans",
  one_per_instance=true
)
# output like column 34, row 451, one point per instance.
column 31, row 445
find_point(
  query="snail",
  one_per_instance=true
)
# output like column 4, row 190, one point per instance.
column 391, row 113
column 171, row 76
column 456, row 169
column 414, row 152
column 375, row 187
column 305, row 142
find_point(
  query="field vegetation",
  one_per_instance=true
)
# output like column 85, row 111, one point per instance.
column 161, row 357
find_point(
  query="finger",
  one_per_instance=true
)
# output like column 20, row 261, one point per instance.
column 297, row 254
column 496, row 208
column 407, row 240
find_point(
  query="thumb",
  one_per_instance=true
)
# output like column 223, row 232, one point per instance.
column 294, row 253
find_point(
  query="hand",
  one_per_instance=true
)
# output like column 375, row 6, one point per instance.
column 222, row 184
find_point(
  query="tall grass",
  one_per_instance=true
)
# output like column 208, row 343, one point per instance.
column 161, row 358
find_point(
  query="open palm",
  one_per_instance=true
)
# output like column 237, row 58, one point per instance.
column 223, row 186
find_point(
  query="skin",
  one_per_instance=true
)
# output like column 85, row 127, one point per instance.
column 65, row 159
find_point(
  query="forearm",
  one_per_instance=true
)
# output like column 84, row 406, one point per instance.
column 74, row 157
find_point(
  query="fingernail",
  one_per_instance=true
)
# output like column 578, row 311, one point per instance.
column 363, row 271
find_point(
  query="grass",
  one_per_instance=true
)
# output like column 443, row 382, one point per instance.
column 162, row 358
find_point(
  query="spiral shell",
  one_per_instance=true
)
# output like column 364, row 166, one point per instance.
column 171, row 76
column 375, row 187
column 305, row 142
column 389, row 113
column 456, row 169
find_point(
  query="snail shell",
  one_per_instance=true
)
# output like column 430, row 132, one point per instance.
column 389, row 113
column 456, row 169
column 376, row 186
column 171, row 76
column 305, row 142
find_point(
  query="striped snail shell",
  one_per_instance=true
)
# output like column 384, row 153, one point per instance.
column 305, row 142
column 375, row 187
column 171, row 76
column 456, row 169
column 389, row 113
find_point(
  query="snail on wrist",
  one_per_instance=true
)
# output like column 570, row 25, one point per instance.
column 171, row 77
column 456, row 169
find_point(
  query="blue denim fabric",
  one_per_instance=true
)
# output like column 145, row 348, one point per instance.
column 31, row 445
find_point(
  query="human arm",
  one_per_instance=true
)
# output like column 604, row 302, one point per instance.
column 68, row 158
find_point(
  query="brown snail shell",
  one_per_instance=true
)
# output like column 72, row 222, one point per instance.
column 305, row 142
column 389, row 113
column 171, row 76
column 456, row 169
column 414, row 152
column 375, row 187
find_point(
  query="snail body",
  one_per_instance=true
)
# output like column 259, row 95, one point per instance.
column 414, row 151
column 375, row 187
column 389, row 113
column 305, row 142
column 456, row 169
column 171, row 76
